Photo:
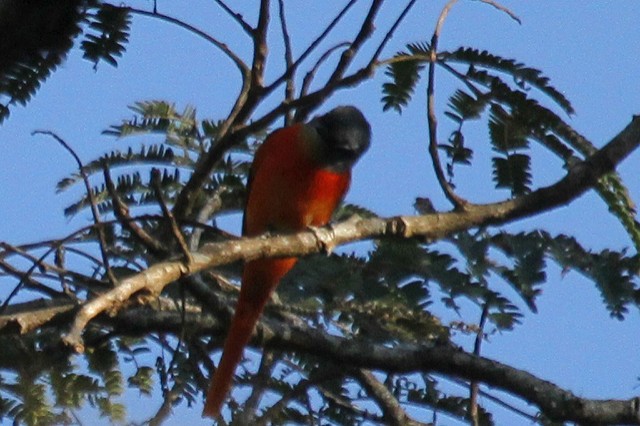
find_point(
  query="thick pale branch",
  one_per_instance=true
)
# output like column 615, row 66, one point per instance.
column 432, row 226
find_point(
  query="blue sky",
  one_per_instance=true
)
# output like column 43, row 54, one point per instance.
column 589, row 49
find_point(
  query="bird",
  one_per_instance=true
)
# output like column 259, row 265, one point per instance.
column 298, row 177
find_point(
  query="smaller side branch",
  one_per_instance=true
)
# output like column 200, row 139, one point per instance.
column 290, row 89
column 92, row 200
column 238, row 62
column 236, row 17
column 175, row 228
column 392, row 412
column 121, row 212
column 458, row 202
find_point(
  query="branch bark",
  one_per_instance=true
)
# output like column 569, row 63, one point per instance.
column 431, row 226
column 556, row 403
column 286, row 331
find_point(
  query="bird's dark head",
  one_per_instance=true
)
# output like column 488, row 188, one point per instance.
column 344, row 135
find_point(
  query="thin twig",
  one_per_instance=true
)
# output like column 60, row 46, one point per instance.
column 346, row 58
column 503, row 9
column 175, row 228
column 474, row 386
column 510, row 407
column 25, row 279
column 366, row 29
column 121, row 212
column 458, row 202
column 239, row 63
column 236, row 17
column 374, row 58
column 291, row 70
column 310, row 75
column 102, row 239
column 290, row 88
column 260, row 383
column 363, row 73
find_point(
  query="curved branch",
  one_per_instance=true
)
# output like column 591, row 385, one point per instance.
column 458, row 202
column 286, row 331
column 435, row 226
column 556, row 403
column 239, row 63
column 92, row 201
column 236, row 17
column 294, row 66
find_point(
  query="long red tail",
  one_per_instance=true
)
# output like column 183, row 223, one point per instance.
column 259, row 280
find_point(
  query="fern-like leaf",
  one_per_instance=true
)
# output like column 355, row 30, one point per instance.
column 110, row 25
column 522, row 74
column 404, row 72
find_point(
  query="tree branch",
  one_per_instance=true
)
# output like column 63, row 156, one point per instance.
column 290, row 332
column 458, row 202
column 392, row 412
column 92, row 200
column 238, row 62
column 556, row 403
column 432, row 226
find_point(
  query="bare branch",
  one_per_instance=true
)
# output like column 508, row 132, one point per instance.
column 92, row 200
column 289, row 91
column 366, row 29
column 374, row 59
column 239, row 63
column 25, row 279
column 291, row 70
column 259, row 385
column 236, row 17
column 260, row 48
column 432, row 226
column 474, row 387
column 393, row 413
column 458, row 202
column 175, row 228
column 502, row 9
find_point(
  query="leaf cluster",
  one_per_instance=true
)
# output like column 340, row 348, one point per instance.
column 505, row 92
column 37, row 35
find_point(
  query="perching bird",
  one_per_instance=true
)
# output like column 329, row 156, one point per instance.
column 299, row 176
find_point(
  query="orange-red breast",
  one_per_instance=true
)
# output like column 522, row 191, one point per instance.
column 298, row 177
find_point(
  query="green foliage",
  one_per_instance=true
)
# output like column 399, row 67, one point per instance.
column 394, row 292
column 521, row 74
column 184, row 139
column 37, row 36
column 404, row 71
column 110, row 33
column 502, row 87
